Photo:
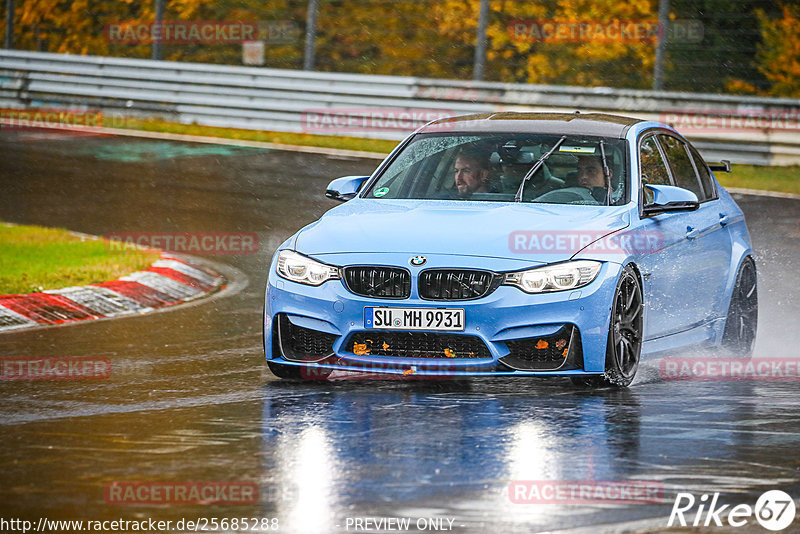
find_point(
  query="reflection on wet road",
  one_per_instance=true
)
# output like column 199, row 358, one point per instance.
column 190, row 399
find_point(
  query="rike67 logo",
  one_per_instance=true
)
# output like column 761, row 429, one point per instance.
column 774, row 510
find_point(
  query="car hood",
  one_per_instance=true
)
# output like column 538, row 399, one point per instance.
column 531, row 232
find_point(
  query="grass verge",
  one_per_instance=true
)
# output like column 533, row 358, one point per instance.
column 33, row 258
column 781, row 179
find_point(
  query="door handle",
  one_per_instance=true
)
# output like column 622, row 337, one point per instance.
column 723, row 219
column 692, row 233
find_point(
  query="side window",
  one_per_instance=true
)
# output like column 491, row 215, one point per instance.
column 653, row 170
column 705, row 175
column 680, row 164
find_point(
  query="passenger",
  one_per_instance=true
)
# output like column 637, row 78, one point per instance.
column 471, row 172
column 590, row 176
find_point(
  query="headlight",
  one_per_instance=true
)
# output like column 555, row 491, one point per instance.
column 299, row 268
column 569, row 275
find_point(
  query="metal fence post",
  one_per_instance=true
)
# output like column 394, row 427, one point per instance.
column 311, row 34
column 480, row 48
column 156, row 47
column 9, row 40
column 661, row 48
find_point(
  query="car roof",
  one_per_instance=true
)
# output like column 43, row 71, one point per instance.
column 596, row 124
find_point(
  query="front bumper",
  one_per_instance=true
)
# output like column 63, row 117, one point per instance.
column 508, row 332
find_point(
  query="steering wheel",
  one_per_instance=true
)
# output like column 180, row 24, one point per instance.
column 568, row 195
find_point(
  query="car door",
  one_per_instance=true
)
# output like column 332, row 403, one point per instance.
column 662, row 265
column 704, row 276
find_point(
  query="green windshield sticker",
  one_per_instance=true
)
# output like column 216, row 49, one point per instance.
column 577, row 149
column 382, row 191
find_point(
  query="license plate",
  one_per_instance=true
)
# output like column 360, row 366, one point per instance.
column 445, row 319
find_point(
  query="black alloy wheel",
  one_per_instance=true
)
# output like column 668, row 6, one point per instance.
column 624, row 346
column 741, row 324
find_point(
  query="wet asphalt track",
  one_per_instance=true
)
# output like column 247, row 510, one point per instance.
column 190, row 398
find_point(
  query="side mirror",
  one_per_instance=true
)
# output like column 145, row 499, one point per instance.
column 345, row 188
column 670, row 198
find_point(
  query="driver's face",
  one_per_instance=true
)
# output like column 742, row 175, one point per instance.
column 469, row 177
column 590, row 173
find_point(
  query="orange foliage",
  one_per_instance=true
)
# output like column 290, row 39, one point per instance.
column 779, row 52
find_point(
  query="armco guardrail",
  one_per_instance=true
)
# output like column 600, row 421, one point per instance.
column 743, row 129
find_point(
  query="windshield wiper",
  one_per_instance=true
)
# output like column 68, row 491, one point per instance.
column 606, row 173
column 536, row 167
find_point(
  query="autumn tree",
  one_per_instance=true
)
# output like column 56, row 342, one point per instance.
column 521, row 50
column 383, row 37
column 74, row 26
column 778, row 54
column 283, row 53
column 747, row 46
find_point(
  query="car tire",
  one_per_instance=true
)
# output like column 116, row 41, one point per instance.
column 741, row 323
column 624, row 345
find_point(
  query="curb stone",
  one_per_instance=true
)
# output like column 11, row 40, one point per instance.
column 170, row 280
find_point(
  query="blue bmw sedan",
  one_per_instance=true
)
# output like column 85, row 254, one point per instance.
column 530, row 244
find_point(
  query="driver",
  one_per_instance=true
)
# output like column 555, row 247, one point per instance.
column 590, row 176
column 471, row 171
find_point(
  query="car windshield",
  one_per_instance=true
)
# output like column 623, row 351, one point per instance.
column 493, row 167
